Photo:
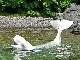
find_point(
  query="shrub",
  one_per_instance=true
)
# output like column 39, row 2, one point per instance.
column 34, row 7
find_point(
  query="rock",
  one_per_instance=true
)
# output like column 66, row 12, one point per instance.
column 73, row 13
column 24, row 22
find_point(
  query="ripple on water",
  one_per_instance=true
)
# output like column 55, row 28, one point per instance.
column 61, row 51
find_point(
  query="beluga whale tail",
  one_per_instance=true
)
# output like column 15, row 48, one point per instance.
column 60, row 25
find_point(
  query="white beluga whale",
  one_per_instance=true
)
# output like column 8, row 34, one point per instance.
column 59, row 25
column 21, row 43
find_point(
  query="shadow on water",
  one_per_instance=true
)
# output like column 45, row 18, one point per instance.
column 70, row 49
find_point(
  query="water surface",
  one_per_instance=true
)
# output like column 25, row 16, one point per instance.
column 37, row 37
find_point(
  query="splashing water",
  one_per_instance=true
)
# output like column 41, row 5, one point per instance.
column 61, row 51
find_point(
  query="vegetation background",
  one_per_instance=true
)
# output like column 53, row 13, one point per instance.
column 34, row 7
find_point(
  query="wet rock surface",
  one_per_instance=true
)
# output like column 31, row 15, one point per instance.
column 24, row 22
column 73, row 13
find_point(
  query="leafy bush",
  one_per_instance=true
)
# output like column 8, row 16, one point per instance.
column 34, row 7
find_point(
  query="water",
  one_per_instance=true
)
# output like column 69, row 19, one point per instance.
column 70, row 49
column 58, row 52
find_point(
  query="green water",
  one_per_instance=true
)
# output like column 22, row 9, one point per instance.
column 36, row 37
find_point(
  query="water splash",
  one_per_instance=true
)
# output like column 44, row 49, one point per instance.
column 63, row 51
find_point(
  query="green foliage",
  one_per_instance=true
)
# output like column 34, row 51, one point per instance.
column 34, row 7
